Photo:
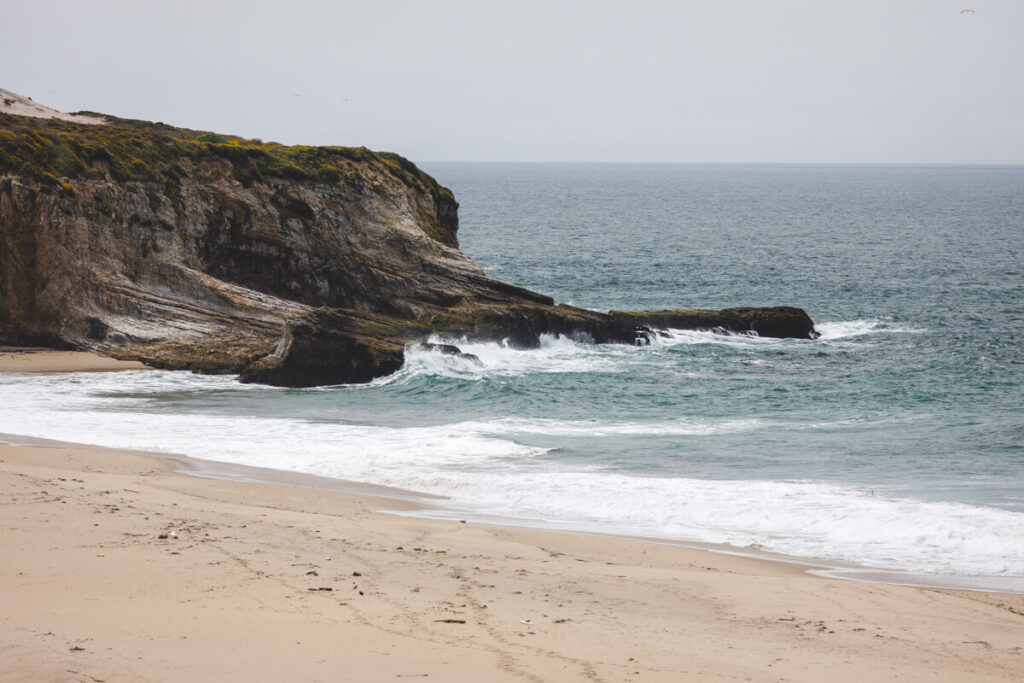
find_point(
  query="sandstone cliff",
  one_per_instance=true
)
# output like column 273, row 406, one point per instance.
column 289, row 265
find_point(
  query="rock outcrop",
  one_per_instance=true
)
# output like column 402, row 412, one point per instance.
column 294, row 266
column 777, row 321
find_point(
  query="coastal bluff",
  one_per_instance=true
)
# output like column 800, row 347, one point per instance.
column 287, row 265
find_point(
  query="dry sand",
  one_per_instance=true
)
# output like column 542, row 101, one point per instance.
column 20, row 105
column 115, row 567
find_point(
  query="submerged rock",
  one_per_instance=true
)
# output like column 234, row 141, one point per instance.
column 294, row 266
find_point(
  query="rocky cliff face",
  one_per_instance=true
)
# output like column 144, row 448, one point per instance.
column 291, row 265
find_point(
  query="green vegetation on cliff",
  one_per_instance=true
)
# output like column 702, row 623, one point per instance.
column 52, row 152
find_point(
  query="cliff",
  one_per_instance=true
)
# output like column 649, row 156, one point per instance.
column 290, row 265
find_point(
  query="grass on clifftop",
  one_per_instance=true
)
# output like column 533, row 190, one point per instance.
column 53, row 151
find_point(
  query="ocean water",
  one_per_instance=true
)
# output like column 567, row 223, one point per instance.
column 896, row 440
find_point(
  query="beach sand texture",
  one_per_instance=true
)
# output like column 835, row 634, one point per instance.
column 118, row 568
column 40, row 360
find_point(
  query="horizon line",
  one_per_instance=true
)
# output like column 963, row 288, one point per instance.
column 734, row 163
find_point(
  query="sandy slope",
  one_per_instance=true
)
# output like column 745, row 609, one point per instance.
column 90, row 591
column 19, row 105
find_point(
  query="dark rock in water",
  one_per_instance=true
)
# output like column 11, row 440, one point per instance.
column 777, row 321
column 521, row 326
column 321, row 349
column 294, row 266
column 443, row 349
column 450, row 350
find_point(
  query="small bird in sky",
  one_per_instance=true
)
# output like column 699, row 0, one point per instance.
column 966, row 11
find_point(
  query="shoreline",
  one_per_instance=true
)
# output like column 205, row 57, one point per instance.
column 428, row 506
column 124, row 565
column 422, row 505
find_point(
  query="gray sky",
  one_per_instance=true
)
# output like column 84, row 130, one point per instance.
column 904, row 81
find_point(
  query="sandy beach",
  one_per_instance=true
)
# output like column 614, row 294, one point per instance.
column 41, row 360
column 117, row 566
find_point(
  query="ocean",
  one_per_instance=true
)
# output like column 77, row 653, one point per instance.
column 895, row 441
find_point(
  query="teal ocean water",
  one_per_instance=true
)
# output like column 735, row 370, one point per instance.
column 895, row 441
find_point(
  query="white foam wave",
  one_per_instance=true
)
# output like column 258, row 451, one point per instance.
column 735, row 339
column 556, row 354
column 848, row 329
column 559, row 354
column 798, row 518
column 598, row 428
column 360, row 452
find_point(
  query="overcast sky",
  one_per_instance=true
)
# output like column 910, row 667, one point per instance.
column 903, row 81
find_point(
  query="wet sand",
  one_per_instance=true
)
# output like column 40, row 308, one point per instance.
column 42, row 360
